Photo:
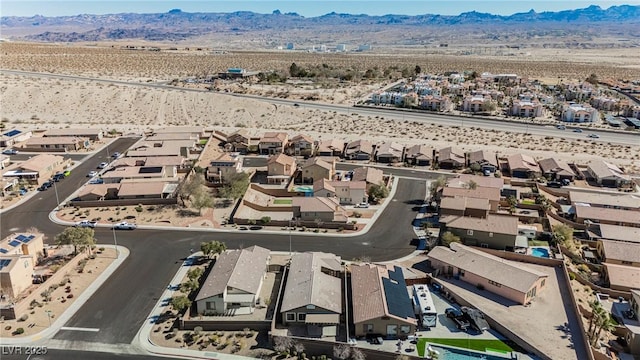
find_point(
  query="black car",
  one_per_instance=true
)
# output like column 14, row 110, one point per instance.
column 57, row 177
column 375, row 339
column 476, row 319
column 458, row 318
column 554, row 184
column 45, row 185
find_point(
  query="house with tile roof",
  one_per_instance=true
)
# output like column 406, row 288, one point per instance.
column 381, row 303
column 495, row 231
column 301, row 145
column 419, row 155
column 523, row 166
column 317, row 168
column 479, row 192
column 590, row 215
column 619, row 252
column 273, row 143
column 333, row 147
column 555, row 169
column 313, row 293
column 614, row 232
column 512, row 280
column 465, row 206
column 451, row 158
column 486, row 160
column 605, row 200
column 370, row 175
column 359, row 150
column 389, row 152
column 89, row 133
column 347, row 192
column 234, row 283
column 622, row 277
column 36, row 169
column 326, row 209
column 222, row 168
column 55, row 144
column 606, row 174
column 280, row 168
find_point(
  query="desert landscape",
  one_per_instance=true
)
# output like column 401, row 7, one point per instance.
column 42, row 103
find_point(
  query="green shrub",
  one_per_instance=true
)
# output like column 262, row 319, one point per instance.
column 18, row 331
column 572, row 276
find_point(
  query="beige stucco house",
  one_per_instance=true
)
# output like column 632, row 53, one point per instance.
column 381, row 303
column 509, row 279
column 280, row 168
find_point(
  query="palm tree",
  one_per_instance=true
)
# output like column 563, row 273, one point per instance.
column 596, row 312
column 607, row 324
column 436, row 185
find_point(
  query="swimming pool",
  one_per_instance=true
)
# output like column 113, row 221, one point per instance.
column 540, row 252
column 457, row 354
column 303, row 188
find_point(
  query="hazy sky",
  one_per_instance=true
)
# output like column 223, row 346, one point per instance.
column 308, row 8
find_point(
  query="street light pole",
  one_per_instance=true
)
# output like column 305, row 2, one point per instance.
column 55, row 188
column 290, row 237
column 48, row 316
column 115, row 242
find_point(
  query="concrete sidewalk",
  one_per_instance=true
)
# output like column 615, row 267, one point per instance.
column 49, row 332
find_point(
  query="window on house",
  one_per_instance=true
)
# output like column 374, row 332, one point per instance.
column 470, row 232
column 542, row 283
column 368, row 328
column 490, row 234
column 405, row 329
column 496, row 284
column 290, row 317
column 461, row 272
column 484, row 245
column 302, row 317
column 211, row 305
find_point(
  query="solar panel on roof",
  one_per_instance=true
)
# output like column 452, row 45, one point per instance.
column 395, row 290
column 14, row 243
column 4, row 251
column 21, row 237
column 4, row 262
column 31, row 237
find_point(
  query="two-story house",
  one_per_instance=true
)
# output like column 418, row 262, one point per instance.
column 273, row 143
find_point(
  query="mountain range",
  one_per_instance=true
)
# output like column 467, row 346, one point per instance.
column 176, row 25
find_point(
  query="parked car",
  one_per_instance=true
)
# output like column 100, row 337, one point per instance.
column 593, row 136
column 96, row 181
column 58, row 176
column 375, row 339
column 45, row 185
column 554, row 184
column 362, row 205
column 92, row 173
column 67, row 173
column 577, row 130
column 565, row 182
column 87, row 223
column 560, row 127
column 10, row 152
column 103, row 165
column 458, row 318
column 124, row 226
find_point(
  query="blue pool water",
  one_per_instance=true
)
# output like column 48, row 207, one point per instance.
column 540, row 252
column 455, row 354
column 303, row 188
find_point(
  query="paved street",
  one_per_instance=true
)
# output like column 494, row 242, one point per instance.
column 53, row 354
column 35, row 212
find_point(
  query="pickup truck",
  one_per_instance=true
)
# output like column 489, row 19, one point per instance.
column 458, row 318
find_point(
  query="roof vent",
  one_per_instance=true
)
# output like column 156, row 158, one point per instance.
column 423, row 295
column 427, row 308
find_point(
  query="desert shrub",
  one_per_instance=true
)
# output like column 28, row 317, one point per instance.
column 572, row 276
column 18, row 331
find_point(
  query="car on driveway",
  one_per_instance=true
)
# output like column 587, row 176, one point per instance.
column 103, row 165
column 124, row 226
column 87, row 224
column 458, row 318
column 92, row 173
column 362, row 205
column 593, row 136
column 95, row 181
column 10, row 152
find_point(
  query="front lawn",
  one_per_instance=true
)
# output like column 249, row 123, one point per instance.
column 538, row 243
column 481, row 345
